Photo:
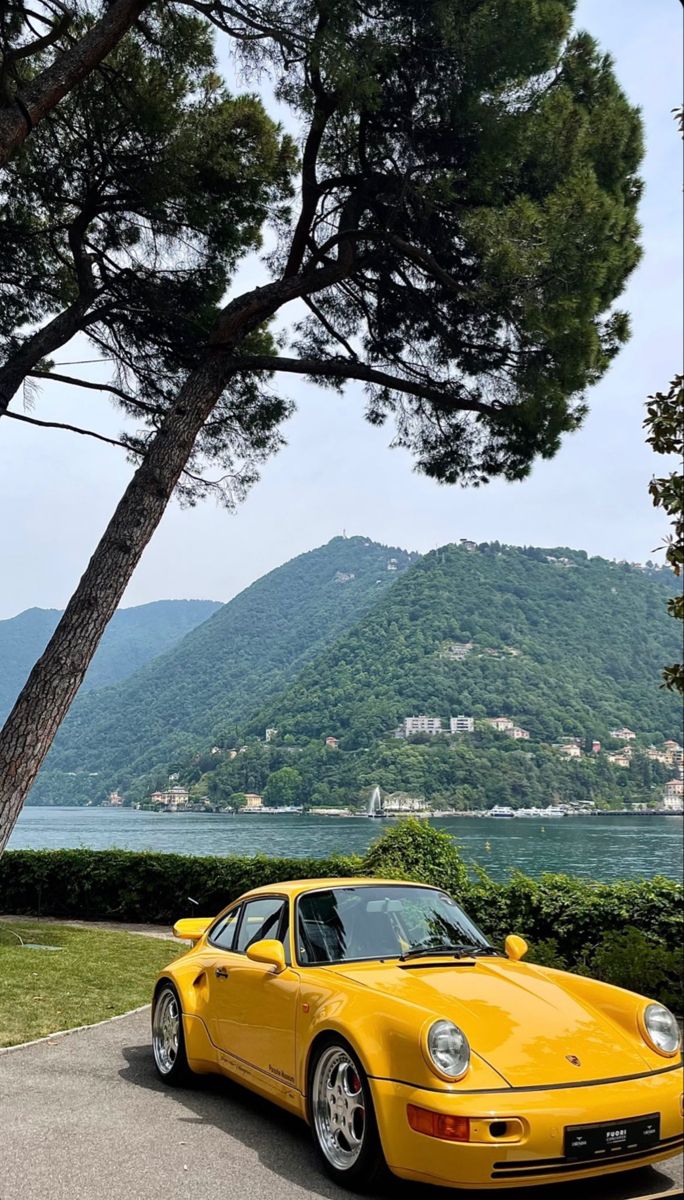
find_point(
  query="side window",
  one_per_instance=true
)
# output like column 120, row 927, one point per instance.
column 223, row 934
column 260, row 919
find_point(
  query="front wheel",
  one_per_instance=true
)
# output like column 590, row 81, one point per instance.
column 168, row 1041
column 343, row 1120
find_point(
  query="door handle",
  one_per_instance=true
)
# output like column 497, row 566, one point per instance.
column 221, row 973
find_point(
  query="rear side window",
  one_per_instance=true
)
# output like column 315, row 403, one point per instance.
column 261, row 919
column 223, row 934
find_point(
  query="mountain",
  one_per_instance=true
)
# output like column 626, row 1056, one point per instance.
column 134, row 636
column 564, row 645
column 217, row 677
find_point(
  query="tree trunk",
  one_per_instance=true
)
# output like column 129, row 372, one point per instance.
column 45, row 91
column 45, row 699
column 56, row 333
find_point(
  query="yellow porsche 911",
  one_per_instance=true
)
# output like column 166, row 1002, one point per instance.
column 379, row 1013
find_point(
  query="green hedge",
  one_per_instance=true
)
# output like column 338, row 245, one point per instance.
column 124, row 885
column 628, row 933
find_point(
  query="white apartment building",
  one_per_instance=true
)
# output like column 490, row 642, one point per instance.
column 404, row 804
column 623, row 735
column 422, row 724
column 461, row 724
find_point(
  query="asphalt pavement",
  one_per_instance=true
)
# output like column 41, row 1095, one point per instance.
column 83, row 1116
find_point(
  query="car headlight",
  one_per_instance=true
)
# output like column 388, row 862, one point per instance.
column 661, row 1029
column 448, row 1050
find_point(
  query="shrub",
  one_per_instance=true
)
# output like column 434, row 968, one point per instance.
column 412, row 849
column 631, row 960
column 121, row 885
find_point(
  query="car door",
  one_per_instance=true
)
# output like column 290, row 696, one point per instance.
column 253, row 1009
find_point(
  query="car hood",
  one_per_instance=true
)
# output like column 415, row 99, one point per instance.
column 527, row 1026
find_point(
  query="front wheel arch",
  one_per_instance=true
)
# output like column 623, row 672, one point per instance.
column 323, row 1038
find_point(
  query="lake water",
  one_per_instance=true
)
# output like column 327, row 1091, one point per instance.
column 595, row 847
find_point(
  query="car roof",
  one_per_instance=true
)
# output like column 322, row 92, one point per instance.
column 296, row 887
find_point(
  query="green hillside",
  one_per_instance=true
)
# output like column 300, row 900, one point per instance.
column 579, row 649
column 564, row 645
column 218, row 676
column 134, row 636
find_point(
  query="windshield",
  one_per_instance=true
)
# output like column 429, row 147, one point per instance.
column 351, row 923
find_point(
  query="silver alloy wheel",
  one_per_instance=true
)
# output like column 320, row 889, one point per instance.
column 166, row 1031
column 339, row 1113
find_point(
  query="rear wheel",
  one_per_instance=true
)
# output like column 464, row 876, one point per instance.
column 168, row 1041
column 342, row 1116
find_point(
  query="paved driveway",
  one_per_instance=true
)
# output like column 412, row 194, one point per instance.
column 83, row 1117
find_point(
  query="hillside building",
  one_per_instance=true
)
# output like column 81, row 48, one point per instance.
column 253, row 802
column 461, row 724
column 501, row 724
column 332, row 742
column 458, row 650
column 404, row 804
column 422, row 724
column 174, row 797
column 620, row 759
column 623, row 735
column 519, row 734
column 114, row 800
column 673, row 752
column 271, row 734
column 569, row 749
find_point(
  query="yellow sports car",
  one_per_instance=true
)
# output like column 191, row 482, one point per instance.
column 379, row 1013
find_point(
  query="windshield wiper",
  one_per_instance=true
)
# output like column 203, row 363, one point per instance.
column 465, row 950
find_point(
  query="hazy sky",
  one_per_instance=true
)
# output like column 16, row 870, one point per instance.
column 57, row 491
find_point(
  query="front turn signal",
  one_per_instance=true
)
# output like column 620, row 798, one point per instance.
column 438, row 1125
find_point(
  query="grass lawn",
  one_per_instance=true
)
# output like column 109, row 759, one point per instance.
column 95, row 975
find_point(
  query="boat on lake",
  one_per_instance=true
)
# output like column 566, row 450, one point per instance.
column 501, row 810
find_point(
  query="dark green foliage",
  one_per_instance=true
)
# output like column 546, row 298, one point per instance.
column 414, row 850
column 634, row 960
column 202, row 691
column 665, row 425
column 120, row 885
column 484, row 160
column 124, row 217
column 576, row 913
column 133, row 637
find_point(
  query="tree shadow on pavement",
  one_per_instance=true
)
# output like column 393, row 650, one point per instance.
column 282, row 1142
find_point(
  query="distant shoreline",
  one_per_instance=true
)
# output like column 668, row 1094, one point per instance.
column 441, row 815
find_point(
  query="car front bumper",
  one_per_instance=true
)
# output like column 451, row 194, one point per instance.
column 534, row 1155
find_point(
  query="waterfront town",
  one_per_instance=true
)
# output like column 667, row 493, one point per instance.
column 670, row 798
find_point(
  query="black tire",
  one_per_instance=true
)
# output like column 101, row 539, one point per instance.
column 170, row 1061
column 365, row 1169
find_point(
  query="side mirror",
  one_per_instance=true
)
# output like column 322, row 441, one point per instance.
column 515, row 947
column 191, row 929
column 268, row 951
